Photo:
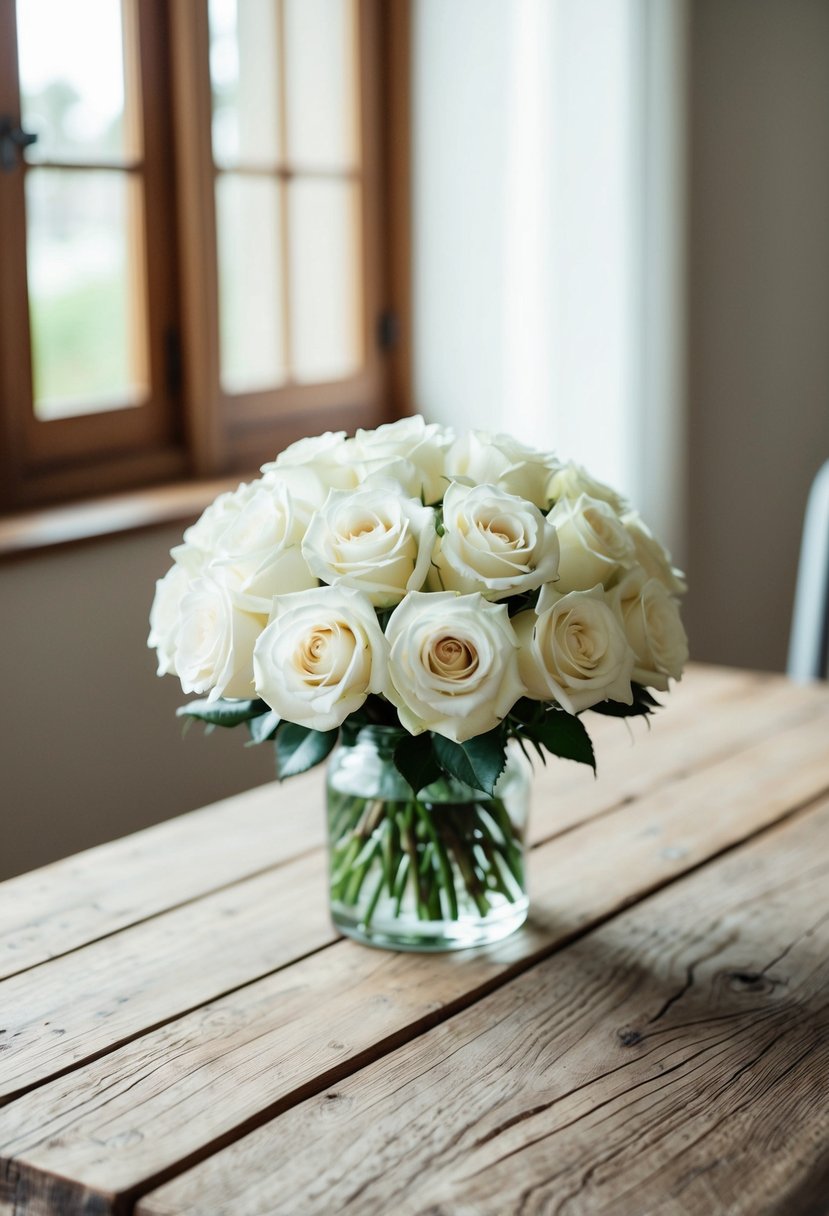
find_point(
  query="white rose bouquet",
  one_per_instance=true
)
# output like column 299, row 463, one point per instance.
column 464, row 591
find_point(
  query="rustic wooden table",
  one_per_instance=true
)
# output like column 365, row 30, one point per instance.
column 182, row 1032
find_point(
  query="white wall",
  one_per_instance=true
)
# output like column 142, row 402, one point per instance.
column 547, row 230
column 460, row 135
column 90, row 747
column 622, row 251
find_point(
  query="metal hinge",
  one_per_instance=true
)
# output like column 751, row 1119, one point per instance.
column 172, row 360
column 13, row 143
column 388, row 329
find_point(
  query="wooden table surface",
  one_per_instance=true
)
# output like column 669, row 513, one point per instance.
column 182, row 1032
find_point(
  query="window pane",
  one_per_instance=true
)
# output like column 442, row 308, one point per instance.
column 244, row 73
column 320, row 76
column 86, row 292
column 72, row 81
column 326, row 300
column 250, row 282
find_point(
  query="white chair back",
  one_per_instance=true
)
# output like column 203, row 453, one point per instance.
column 809, row 641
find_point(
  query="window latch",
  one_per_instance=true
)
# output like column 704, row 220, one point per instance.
column 13, row 140
column 388, row 330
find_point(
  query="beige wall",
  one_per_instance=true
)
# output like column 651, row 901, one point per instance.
column 90, row 747
column 758, row 352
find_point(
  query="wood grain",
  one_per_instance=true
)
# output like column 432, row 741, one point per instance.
column 90, row 1001
column 109, row 992
column 674, row 1061
column 636, row 758
column 82, row 898
column 123, row 1123
column 71, row 902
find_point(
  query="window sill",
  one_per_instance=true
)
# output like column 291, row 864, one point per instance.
column 51, row 528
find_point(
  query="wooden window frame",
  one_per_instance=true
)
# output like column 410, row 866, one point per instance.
column 195, row 430
column 65, row 457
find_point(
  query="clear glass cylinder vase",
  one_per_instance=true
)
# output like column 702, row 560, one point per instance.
column 440, row 871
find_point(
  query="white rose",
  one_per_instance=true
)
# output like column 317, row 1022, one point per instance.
column 652, row 555
column 652, row 623
column 164, row 617
column 261, row 547
column 594, row 544
column 202, row 537
column 574, row 650
column 493, row 542
column 325, row 455
column 305, row 484
column 215, row 639
column 320, row 656
column 453, row 664
column 406, row 477
column 499, row 460
column 572, row 480
column 191, row 558
column 410, row 450
column 372, row 539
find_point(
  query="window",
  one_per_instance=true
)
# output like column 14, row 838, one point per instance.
column 198, row 263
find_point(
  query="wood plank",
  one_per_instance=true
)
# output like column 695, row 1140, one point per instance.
column 65, row 905
column 123, row 1123
column 100, row 996
column 85, row 1003
column 74, row 901
column 676, row 1060
column 635, row 758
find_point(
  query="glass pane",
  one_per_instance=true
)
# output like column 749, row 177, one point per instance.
column 325, row 291
column 321, row 82
column 86, row 291
column 250, row 283
column 72, row 81
column 244, row 73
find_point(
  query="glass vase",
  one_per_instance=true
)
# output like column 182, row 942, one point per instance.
column 440, row 871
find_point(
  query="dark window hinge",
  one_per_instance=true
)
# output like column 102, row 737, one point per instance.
column 388, row 330
column 172, row 361
column 13, row 143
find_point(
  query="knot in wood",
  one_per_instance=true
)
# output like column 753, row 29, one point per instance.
column 750, row 981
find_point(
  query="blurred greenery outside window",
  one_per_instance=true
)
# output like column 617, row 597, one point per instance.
column 198, row 269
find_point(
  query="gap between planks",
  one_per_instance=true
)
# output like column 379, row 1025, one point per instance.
column 384, row 1001
column 116, row 997
column 694, row 1083
column 258, row 827
column 65, row 905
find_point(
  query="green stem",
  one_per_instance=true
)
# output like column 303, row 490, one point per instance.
column 496, row 814
column 355, row 883
column 375, row 896
column 411, row 849
column 343, row 865
column 471, row 880
column 493, row 855
column 444, row 866
column 400, row 884
column 435, row 910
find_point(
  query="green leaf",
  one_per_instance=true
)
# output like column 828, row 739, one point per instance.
column 383, row 617
column 643, row 703
column 526, row 710
column 298, row 748
column 263, row 727
column 222, row 712
column 478, row 762
column 521, row 603
column 564, row 735
column 415, row 760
